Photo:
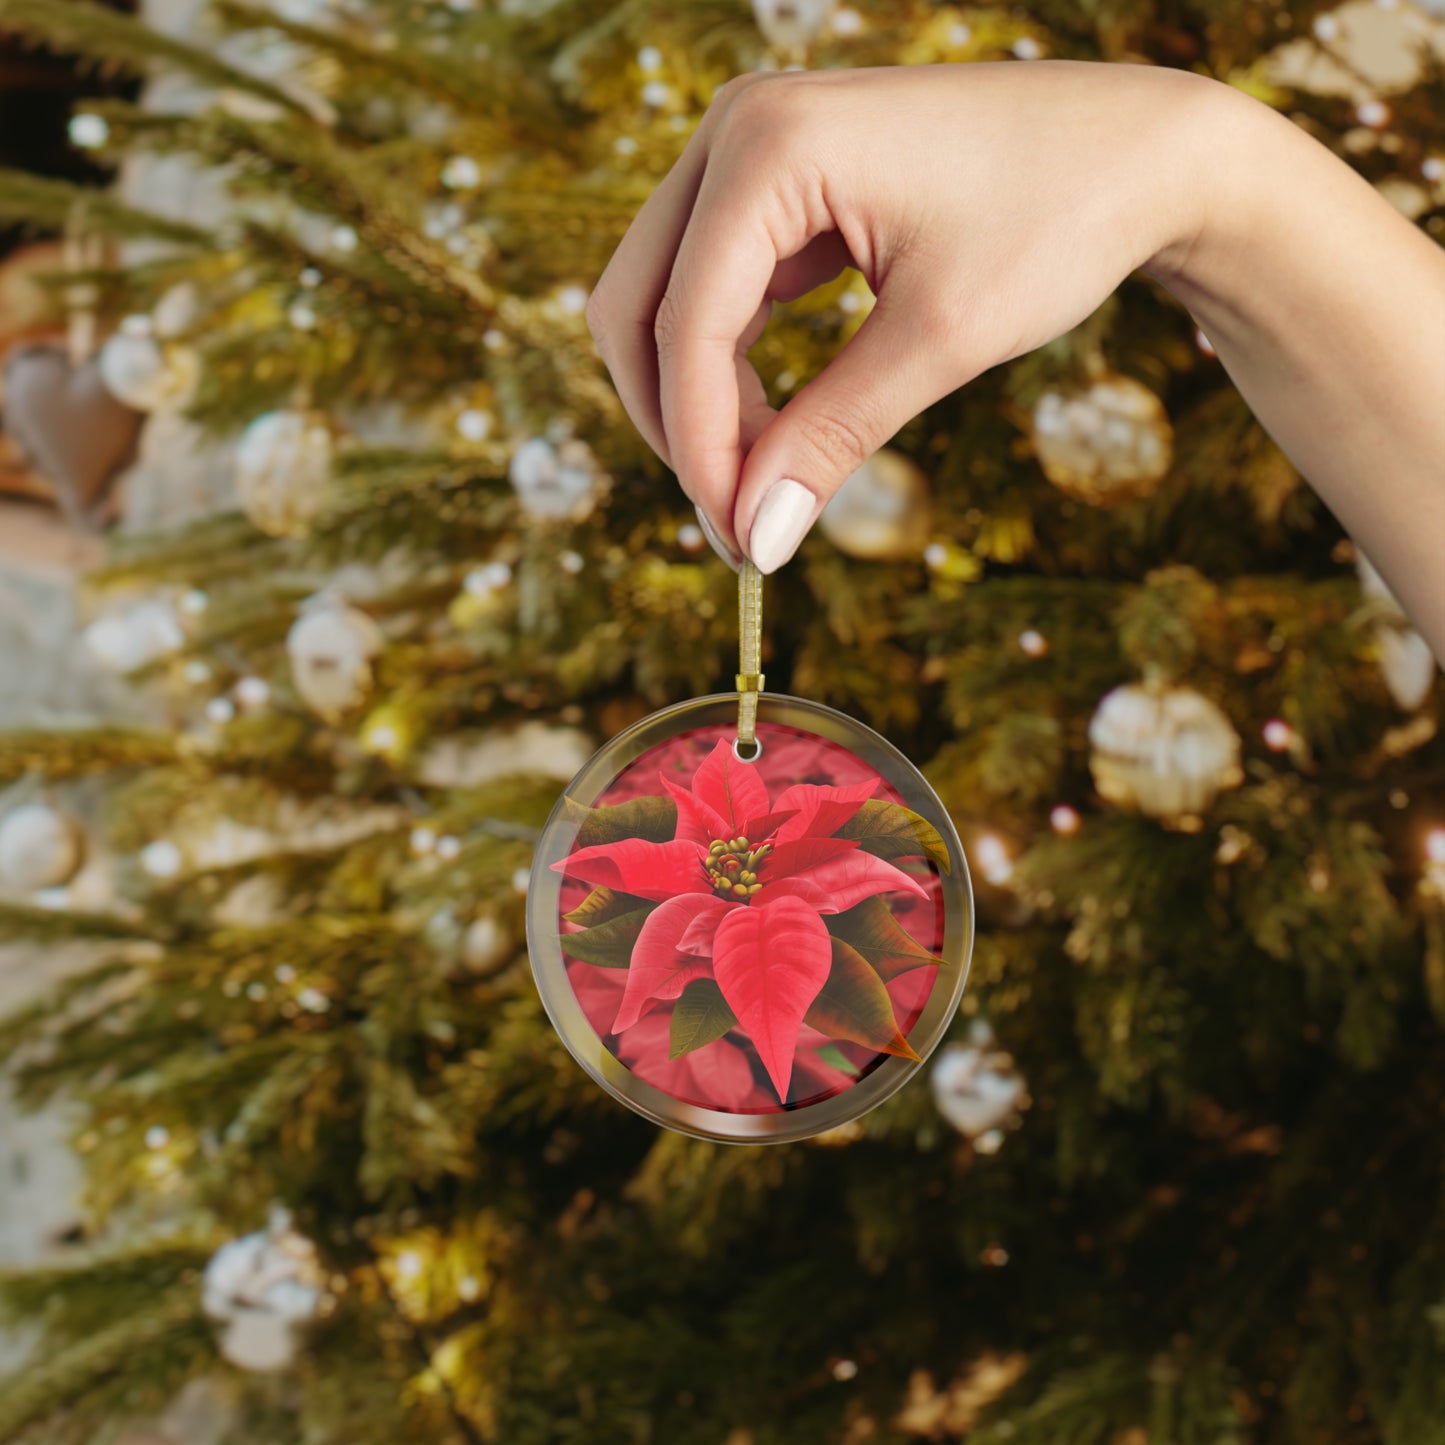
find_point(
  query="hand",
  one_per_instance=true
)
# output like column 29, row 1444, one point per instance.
column 989, row 207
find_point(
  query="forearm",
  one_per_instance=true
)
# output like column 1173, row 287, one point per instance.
column 1327, row 308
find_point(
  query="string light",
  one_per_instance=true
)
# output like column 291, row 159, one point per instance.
column 1064, row 820
column 408, row 1264
column 220, row 710
column 449, row 849
column 1278, row 735
column 993, row 858
column 1033, row 642
column 689, row 537
column 490, row 577
column 253, row 692
column 461, row 173
column 1435, row 846
column 161, row 859
column 88, row 132
column 423, row 840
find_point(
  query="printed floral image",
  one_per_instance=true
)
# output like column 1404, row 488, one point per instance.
column 752, row 936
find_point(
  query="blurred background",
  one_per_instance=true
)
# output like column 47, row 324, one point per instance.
column 327, row 557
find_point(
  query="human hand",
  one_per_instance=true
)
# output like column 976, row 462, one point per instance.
column 990, row 208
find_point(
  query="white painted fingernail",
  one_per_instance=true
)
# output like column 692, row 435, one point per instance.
column 716, row 542
column 783, row 519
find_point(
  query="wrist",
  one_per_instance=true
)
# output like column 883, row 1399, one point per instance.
column 1220, row 146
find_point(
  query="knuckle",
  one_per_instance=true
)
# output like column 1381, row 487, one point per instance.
column 842, row 441
column 762, row 116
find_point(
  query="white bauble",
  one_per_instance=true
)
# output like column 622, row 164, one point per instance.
column 147, row 374
column 792, row 24
column 1407, row 664
column 487, row 945
column 882, row 510
column 40, row 847
column 1109, row 443
column 1406, row 661
column 259, row 1342
column 136, row 637
column 264, row 1286
column 283, row 470
column 467, row 760
column 976, row 1087
column 554, row 483
column 1165, row 751
column 331, row 647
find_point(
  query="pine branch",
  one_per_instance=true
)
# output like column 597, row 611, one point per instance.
column 506, row 92
column 60, row 754
column 52, row 204
column 128, row 1367
column 122, row 42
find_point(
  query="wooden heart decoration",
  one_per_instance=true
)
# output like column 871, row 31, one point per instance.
column 71, row 429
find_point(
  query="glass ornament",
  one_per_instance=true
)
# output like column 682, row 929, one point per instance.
column 749, row 915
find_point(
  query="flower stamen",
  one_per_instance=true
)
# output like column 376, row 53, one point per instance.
column 732, row 866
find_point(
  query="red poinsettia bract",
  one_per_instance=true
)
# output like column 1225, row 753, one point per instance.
column 741, row 888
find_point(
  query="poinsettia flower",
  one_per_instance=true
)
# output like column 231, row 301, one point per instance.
column 720, row 1075
column 742, row 886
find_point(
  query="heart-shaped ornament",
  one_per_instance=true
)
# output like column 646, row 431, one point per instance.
column 73, row 431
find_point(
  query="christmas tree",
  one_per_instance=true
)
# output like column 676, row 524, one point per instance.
column 1176, row 1177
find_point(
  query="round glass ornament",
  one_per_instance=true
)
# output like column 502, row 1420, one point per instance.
column 750, row 943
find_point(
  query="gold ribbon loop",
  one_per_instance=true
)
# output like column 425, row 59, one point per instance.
column 750, row 652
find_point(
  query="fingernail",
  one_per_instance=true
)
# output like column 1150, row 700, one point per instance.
column 781, row 524
column 716, row 542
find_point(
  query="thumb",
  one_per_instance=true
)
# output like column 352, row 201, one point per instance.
column 903, row 358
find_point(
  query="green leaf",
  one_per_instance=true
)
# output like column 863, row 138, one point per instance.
column 855, row 1005
column 872, row 931
column 608, row 944
column 890, row 830
column 835, row 1058
column 652, row 818
column 603, row 904
column 699, row 1017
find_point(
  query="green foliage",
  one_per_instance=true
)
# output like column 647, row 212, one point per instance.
column 1221, row 1222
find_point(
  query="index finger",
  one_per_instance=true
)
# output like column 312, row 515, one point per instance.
column 734, row 241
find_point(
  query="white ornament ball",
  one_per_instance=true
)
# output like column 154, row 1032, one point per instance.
column 976, row 1087
column 1110, row 443
column 882, row 512
column 1408, row 665
column 136, row 637
column 554, row 483
column 1406, row 662
column 40, row 847
column 259, row 1342
column 264, row 1287
column 792, row 24
column 487, row 945
column 331, row 647
column 147, row 374
column 1166, row 751
column 283, row 470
